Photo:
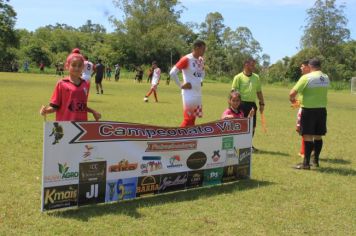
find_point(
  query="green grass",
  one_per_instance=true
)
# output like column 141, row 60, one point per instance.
column 278, row 200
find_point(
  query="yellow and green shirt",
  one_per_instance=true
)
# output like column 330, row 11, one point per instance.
column 247, row 86
column 313, row 89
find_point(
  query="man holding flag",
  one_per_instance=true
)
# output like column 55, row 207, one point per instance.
column 248, row 84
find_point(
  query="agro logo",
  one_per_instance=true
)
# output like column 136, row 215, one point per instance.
column 63, row 170
column 57, row 132
column 64, row 174
column 196, row 160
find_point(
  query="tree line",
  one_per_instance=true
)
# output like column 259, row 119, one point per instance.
column 151, row 30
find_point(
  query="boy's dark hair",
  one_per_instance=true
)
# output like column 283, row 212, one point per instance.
column 249, row 60
column 198, row 43
column 154, row 63
column 315, row 62
column 305, row 62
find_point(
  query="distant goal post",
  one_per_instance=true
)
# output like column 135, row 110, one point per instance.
column 353, row 85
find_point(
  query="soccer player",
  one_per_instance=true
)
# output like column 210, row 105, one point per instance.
column 192, row 67
column 99, row 71
column 156, row 75
column 88, row 70
column 70, row 96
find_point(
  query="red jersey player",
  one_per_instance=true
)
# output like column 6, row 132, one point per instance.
column 69, row 99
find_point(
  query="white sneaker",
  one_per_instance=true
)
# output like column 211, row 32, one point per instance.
column 145, row 99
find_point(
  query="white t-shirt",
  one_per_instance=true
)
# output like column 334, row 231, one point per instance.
column 156, row 76
column 88, row 70
column 193, row 72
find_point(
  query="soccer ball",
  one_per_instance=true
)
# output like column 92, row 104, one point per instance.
column 145, row 99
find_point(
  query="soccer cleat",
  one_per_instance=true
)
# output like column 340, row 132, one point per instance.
column 315, row 163
column 102, row 91
column 301, row 166
column 145, row 99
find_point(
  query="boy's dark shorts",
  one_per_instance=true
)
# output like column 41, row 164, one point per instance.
column 313, row 121
column 246, row 108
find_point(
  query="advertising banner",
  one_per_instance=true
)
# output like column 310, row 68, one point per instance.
column 96, row 162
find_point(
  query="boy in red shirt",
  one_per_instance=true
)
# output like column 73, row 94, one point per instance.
column 70, row 96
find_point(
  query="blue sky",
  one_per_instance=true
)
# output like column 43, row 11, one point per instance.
column 275, row 24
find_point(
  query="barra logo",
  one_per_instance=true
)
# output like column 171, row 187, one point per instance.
column 174, row 162
column 147, row 185
column 64, row 174
column 196, row 160
column 60, row 196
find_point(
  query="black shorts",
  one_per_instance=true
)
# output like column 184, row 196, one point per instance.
column 313, row 121
column 246, row 108
column 98, row 80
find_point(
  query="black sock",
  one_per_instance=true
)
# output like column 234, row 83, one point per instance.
column 308, row 148
column 318, row 145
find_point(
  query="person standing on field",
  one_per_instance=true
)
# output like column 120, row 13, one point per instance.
column 99, row 71
column 248, row 84
column 192, row 67
column 88, row 70
column 156, row 76
column 313, row 90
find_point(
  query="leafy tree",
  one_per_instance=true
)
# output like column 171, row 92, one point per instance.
column 326, row 27
column 8, row 36
column 212, row 32
column 152, row 30
column 89, row 27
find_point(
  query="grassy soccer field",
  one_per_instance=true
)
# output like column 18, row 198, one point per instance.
column 278, row 200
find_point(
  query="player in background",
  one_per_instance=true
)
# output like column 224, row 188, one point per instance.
column 99, row 71
column 192, row 67
column 156, row 75
column 87, row 71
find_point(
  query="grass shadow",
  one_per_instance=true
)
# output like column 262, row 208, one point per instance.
column 260, row 151
column 335, row 161
column 130, row 207
column 338, row 171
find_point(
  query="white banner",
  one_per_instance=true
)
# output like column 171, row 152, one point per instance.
column 94, row 162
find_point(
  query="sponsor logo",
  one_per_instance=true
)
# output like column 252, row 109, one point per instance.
column 147, row 185
column 195, row 179
column 216, row 160
column 171, row 146
column 90, row 193
column 152, row 163
column 174, row 162
column 213, row 176
column 243, row 171
column 216, row 156
column 196, row 160
column 173, row 182
column 57, row 133
column 60, row 196
column 64, row 174
column 227, row 143
column 244, row 155
column 92, row 172
column 123, row 165
column 230, row 174
column 126, row 188
column 121, row 189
